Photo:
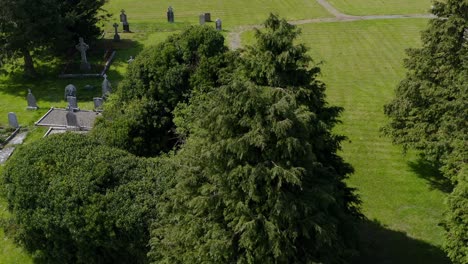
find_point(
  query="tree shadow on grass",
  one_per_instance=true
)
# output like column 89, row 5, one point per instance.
column 431, row 174
column 380, row 245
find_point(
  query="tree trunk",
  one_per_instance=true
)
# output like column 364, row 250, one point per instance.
column 29, row 70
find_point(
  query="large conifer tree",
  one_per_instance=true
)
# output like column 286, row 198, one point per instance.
column 259, row 179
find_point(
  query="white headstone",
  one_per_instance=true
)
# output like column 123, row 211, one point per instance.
column 106, row 87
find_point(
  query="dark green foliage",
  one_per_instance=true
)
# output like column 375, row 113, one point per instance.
column 456, row 222
column 75, row 201
column 55, row 25
column 430, row 110
column 259, row 180
column 158, row 80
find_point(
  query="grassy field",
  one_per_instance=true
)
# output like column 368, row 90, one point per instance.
column 382, row 7
column 232, row 13
column 362, row 64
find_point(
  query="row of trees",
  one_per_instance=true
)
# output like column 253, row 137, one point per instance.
column 429, row 112
column 46, row 26
column 250, row 172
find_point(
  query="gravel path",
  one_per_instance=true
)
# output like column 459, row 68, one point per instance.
column 235, row 36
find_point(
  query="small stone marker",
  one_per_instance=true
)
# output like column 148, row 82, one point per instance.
column 72, row 103
column 72, row 121
column 106, row 87
column 32, row 103
column 130, row 60
column 70, row 90
column 98, row 102
column 123, row 19
column 116, row 35
column 13, row 120
column 219, row 25
column 201, row 18
column 82, row 48
column 207, row 17
column 170, row 15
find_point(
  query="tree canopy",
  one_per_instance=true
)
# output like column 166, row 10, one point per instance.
column 158, row 80
column 76, row 201
column 259, row 180
column 29, row 26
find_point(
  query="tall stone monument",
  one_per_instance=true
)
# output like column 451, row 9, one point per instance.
column 170, row 15
column 106, row 87
column 123, row 19
column 82, row 48
column 116, row 35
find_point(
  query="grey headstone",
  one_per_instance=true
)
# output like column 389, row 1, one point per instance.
column 123, row 19
column 170, row 15
column 32, row 103
column 98, row 102
column 116, row 35
column 207, row 17
column 72, row 103
column 201, row 18
column 13, row 120
column 82, row 48
column 72, row 121
column 70, row 90
column 106, row 87
column 219, row 25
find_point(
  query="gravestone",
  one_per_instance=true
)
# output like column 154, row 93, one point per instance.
column 13, row 120
column 207, row 17
column 72, row 121
column 123, row 19
column 201, row 18
column 70, row 90
column 116, row 35
column 82, row 48
column 32, row 103
column 72, row 103
column 130, row 60
column 219, row 25
column 106, row 87
column 170, row 15
column 98, row 102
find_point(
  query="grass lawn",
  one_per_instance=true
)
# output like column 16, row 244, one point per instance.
column 382, row 7
column 362, row 64
column 232, row 13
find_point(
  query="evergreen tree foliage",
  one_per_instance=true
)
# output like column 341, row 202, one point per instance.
column 29, row 26
column 429, row 110
column 259, row 180
column 158, row 80
column 75, row 201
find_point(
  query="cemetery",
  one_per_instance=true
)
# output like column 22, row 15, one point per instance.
column 359, row 46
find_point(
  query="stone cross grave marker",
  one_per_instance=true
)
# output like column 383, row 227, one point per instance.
column 123, row 19
column 70, row 90
column 116, row 35
column 170, row 15
column 82, row 48
column 98, row 102
column 32, row 103
column 106, row 86
column 72, row 121
column 72, row 103
column 13, row 120
column 219, row 25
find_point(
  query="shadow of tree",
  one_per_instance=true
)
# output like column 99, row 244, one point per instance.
column 431, row 174
column 380, row 245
